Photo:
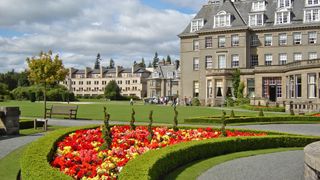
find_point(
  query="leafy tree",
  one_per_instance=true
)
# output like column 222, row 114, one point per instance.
column 111, row 64
column 23, row 79
column 155, row 60
column 235, row 82
column 97, row 63
column 112, row 91
column 168, row 61
column 3, row 89
column 46, row 70
column 240, row 90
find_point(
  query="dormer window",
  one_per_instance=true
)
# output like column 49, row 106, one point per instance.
column 196, row 24
column 282, row 17
column 284, row 4
column 312, row 2
column 311, row 15
column 258, row 6
column 222, row 19
column 256, row 19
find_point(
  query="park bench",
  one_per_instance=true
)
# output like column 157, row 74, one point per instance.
column 71, row 111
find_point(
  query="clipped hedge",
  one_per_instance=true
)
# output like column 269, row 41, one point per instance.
column 35, row 160
column 29, row 124
column 264, row 108
column 155, row 163
column 252, row 119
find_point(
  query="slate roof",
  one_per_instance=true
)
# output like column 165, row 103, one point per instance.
column 164, row 69
column 240, row 11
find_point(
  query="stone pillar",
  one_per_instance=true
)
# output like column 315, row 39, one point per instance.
column 312, row 161
column 10, row 119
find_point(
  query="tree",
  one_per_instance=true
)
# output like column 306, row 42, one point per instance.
column 142, row 63
column 111, row 64
column 112, row 90
column 168, row 61
column 149, row 65
column 46, row 70
column 97, row 63
column 155, row 60
column 240, row 90
column 235, row 82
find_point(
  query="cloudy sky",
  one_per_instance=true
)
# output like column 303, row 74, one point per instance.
column 125, row 30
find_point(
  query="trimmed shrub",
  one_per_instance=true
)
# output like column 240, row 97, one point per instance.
column 251, row 119
column 260, row 113
column 154, row 164
column 264, row 108
column 195, row 102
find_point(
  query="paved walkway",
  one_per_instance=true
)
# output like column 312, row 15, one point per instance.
column 275, row 166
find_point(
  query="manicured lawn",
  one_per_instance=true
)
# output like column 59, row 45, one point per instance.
column 121, row 111
column 195, row 169
column 10, row 164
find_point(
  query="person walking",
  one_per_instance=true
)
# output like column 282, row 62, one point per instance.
column 131, row 102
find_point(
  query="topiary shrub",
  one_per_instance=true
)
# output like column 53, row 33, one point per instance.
column 195, row 102
column 260, row 113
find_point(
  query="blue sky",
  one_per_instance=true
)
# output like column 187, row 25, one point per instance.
column 126, row 30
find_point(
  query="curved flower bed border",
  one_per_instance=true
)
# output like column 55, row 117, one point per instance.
column 35, row 161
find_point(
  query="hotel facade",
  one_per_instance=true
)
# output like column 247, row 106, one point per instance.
column 92, row 82
column 274, row 43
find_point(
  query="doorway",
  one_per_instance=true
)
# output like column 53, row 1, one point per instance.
column 272, row 93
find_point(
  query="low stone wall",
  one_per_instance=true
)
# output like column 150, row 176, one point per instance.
column 312, row 161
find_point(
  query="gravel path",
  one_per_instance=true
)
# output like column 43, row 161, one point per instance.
column 275, row 166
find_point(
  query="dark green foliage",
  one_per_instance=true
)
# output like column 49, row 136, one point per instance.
column 232, row 115
column 132, row 125
column 240, row 90
column 106, row 131
column 229, row 102
column 264, row 108
column 97, row 62
column 224, row 124
column 150, row 126
column 261, row 113
column 32, row 96
column 168, row 61
column 292, row 112
column 175, row 120
column 195, row 102
column 236, row 81
column 112, row 91
column 111, row 64
column 154, row 164
column 252, row 119
column 155, row 60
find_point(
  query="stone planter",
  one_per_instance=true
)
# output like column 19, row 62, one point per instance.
column 312, row 161
column 10, row 120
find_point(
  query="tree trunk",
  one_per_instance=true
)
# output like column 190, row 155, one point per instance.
column 45, row 100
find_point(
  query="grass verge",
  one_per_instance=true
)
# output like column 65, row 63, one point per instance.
column 10, row 164
column 195, row 169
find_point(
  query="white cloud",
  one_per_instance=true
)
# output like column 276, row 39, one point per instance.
column 193, row 4
column 123, row 30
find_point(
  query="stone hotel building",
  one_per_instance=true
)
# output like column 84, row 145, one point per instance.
column 91, row 82
column 274, row 43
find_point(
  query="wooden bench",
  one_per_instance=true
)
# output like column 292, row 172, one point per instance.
column 71, row 111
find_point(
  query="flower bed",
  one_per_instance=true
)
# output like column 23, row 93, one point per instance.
column 79, row 155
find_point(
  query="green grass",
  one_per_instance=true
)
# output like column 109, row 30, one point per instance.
column 121, row 111
column 10, row 164
column 195, row 169
column 25, row 132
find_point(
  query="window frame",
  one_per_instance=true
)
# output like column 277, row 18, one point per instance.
column 297, row 41
column 235, row 40
column 283, row 42
column 267, row 60
column 196, row 66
